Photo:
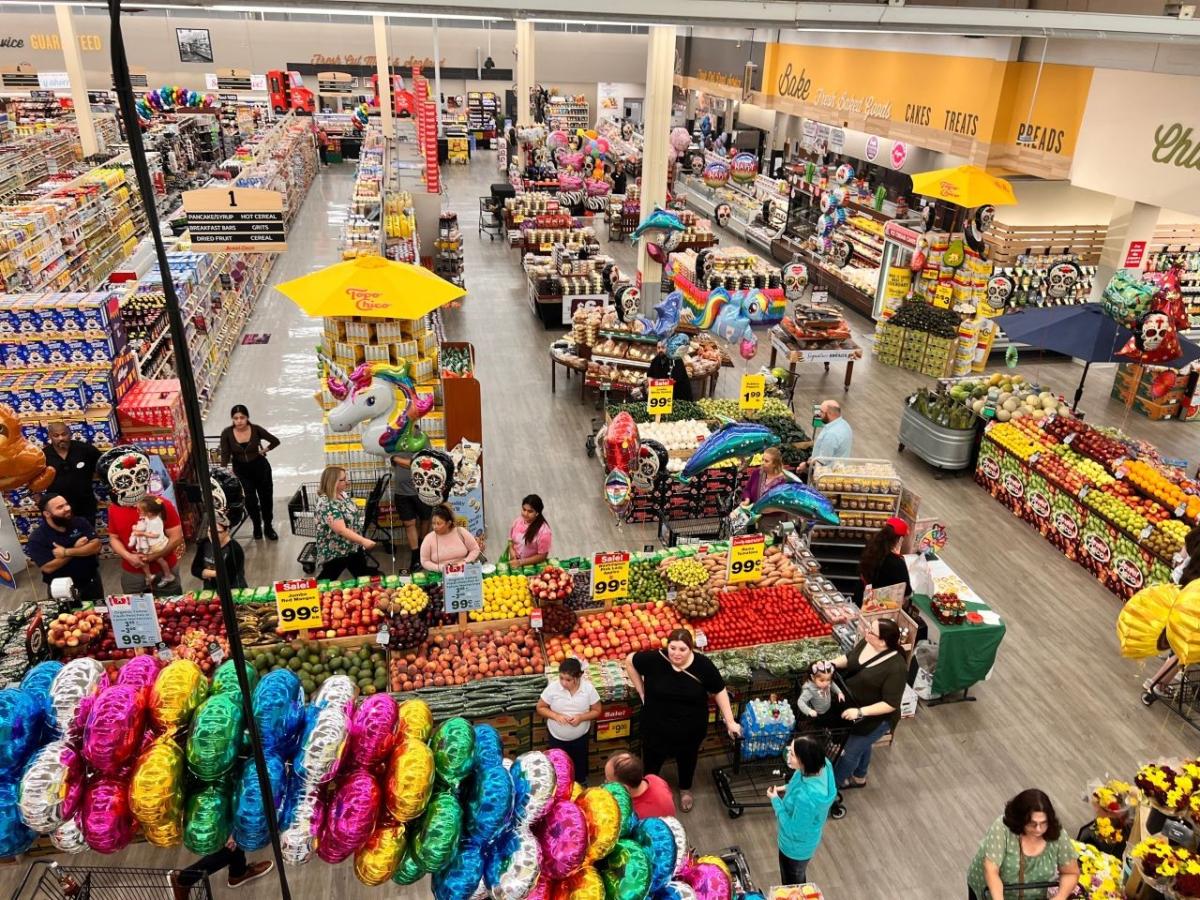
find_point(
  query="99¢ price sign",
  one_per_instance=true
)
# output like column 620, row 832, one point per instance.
column 134, row 620
column 610, row 576
column 298, row 604
column 745, row 558
column 753, row 393
column 660, row 396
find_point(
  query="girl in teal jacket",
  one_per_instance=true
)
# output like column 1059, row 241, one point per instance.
column 801, row 807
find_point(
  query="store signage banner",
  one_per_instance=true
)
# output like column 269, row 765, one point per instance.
column 1140, row 139
column 720, row 62
column 235, row 220
column 54, row 81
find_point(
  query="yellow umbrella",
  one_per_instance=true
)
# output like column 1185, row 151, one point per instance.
column 967, row 186
column 1143, row 618
column 371, row 286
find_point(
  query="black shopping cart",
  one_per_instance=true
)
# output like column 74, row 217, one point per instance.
column 683, row 532
column 47, row 880
column 739, row 870
column 303, row 520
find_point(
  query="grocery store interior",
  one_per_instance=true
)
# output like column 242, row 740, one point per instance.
column 973, row 232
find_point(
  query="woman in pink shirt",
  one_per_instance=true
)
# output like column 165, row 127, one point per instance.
column 446, row 543
column 529, row 537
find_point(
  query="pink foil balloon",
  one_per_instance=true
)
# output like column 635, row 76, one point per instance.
column 107, row 823
column 353, row 812
column 114, row 728
column 373, row 730
column 563, row 834
column 541, row 890
column 709, row 881
column 140, row 672
column 564, row 773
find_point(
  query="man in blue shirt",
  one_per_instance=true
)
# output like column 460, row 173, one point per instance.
column 65, row 546
column 834, row 437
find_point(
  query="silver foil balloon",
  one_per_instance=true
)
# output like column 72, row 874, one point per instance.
column 323, row 743
column 519, row 872
column 298, row 841
column 338, row 690
column 676, row 890
column 76, row 681
column 533, row 783
column 68, row 837
column 51, row 787
column 681, row 844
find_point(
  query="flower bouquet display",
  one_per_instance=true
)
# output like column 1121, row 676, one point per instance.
column 1157, row 860
column 1113, row 799
column 1187, row 881
column 1100, row 876
column 1167, row 788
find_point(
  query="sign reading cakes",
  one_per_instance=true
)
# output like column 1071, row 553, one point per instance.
column 235, row 220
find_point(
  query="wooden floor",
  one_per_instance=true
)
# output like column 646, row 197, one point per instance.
column 1061, row 707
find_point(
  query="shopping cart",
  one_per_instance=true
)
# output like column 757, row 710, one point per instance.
column 303, row 520
column 739, row 870
column 682, row 532
column 47, row 880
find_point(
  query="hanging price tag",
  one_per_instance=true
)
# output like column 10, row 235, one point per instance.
column 535, row 619
column 753, row 393
column 610, row 576
column 134, row 620
column 660, row 396
column 745, row 558
column 298, row 604
column 463, row 587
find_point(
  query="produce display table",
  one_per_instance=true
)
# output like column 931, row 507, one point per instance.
column 814, row 351
column 967, row 652
column 559, row 358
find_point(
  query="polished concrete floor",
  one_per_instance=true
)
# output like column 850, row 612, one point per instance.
column 1061, row 707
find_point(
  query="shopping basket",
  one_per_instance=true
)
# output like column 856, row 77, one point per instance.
column 47, row 880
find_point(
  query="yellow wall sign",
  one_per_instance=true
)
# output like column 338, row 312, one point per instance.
column 752, row 393
column 610, row 576
column 298, row 604
column 660, row 396
column 899, row 281
column 746, row 558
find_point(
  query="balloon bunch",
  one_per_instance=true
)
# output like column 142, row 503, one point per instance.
column 715, row 174
column 1153, row 610
column 629, row 462
column 833, row 215
column 167, row 98
column 678, row 141
column 1156, row 332
column 360, row 116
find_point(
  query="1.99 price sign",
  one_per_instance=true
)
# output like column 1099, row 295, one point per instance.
column 752, row 393
column 745, row 558
column 298, row 604
column 660, row 396
column 610, row 576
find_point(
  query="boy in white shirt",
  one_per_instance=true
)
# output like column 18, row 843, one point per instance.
column 569, row 706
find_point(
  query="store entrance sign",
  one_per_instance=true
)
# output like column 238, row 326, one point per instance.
column 235, row 220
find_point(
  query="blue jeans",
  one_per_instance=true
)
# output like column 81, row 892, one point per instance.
column 856, row 755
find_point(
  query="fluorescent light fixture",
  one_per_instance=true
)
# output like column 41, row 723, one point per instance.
column 348, row 10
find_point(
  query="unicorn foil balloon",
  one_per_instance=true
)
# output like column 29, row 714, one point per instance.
column 383, row 396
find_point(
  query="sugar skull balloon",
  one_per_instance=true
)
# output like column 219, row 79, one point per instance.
column 229, row 500
column 795, row 280
column 126, row 470
column 432, row 476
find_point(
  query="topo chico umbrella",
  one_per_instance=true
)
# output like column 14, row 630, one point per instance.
column 1083, row 332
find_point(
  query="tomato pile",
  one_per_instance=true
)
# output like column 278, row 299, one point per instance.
column 762, row 615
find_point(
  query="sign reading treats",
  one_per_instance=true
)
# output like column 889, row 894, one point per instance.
column 1140, row 139
column 235, row 220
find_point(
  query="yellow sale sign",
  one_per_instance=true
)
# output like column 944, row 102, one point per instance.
column 746, row 558
column 298, row 603
column 753, row 393
column 610, row 576
column 660, row 396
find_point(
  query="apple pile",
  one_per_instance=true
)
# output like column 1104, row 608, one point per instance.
column 407, row 630
column 76, row 630
column 194, row 644
column 175, row 617
column 462, row 657
column 551, row 585
column 615, row 633
column 763, row 615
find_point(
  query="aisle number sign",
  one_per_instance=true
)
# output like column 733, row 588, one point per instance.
column 134, row 620
column 746, row 558
column 753, row 393
column 660, row 397
column 462, row 585
column 235, row 220
column 298, row 603
column 610, row 576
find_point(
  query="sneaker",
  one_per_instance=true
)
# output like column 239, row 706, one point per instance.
column 165, row 579
column 253, row 871
column 837, row 811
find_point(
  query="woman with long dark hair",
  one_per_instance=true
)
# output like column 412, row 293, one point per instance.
column 242, row 444
column 1026, row 845
column 529, row 538
column 881, row 563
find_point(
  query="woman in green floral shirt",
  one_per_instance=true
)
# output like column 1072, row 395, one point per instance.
column 339, row 546
column 1025, row 846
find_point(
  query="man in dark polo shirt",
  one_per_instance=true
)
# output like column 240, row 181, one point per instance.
column 74, row 463
column 65, row 546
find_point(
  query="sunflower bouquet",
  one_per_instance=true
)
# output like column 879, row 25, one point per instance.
column 1100, row 876
column 1111, row 830
column 1187, row 880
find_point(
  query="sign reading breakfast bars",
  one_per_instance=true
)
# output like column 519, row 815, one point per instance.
column 235, row 220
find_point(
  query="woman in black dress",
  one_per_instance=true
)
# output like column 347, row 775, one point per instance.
column 675, row 685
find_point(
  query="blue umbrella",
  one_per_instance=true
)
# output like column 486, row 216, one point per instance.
column 1082, row 331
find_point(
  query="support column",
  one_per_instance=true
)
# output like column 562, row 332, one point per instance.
column 660, row 69
column 525, row 69
column 1131, row 221
column 385, row 76
column 79, row 91
column 437, row 79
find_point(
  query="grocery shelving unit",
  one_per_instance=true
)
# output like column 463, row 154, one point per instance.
column 568, row 113
column 866, row 493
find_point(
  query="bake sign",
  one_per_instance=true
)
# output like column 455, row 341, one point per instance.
column 799, row 86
